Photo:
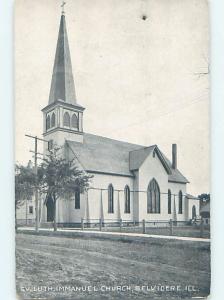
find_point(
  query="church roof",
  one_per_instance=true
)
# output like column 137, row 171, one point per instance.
column 137, row 157
column 62, row 83
column 103, row 155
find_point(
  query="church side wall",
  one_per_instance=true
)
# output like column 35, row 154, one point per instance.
column 136, row 197
column 175, row 188
column 94, row 203
column 152, row 168
column 98, row 200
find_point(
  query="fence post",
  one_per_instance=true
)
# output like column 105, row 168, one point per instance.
column 143, row 226
column 100, row 224
column 171, row 227
column 202, row 228
column 82, row 223
column 120, row 224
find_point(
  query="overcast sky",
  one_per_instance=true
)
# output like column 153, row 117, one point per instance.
column 137, row 78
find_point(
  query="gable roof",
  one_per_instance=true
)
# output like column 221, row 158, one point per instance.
column 176, row 175
column 101, row 154
column 137, row 157
column 189, row 196
column 104, row 155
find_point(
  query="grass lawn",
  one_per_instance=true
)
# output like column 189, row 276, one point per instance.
column 187, row 231
column 55, row 263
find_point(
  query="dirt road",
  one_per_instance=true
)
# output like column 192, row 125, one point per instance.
column 76, row 268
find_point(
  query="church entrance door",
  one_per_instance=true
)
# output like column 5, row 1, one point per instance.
column 50, row 210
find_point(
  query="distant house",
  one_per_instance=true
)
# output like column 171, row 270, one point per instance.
column 205, row 213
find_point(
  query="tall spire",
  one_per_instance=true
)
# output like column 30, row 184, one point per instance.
column 62, row 84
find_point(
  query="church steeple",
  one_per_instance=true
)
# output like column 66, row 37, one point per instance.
column 63, row 116
column 62, row 84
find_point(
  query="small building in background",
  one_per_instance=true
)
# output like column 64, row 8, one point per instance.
column 205, row 213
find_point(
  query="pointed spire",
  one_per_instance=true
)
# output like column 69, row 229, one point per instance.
column 62, row 84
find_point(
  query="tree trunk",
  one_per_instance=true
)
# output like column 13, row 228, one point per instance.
column 55, row 214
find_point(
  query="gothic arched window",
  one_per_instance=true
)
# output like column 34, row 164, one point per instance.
column 66, row 119
column 53, row 120
column 180, row 211
column 48, row 122
column 153, row 197
column 169, row 201
column 110, row 199
column 127, row 199
column 75, row 121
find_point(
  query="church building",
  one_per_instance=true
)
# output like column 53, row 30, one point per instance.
column 130, row 182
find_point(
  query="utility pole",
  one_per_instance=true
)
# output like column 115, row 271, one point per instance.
column 36, row 139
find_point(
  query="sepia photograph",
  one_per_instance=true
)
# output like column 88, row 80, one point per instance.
column 112, row 152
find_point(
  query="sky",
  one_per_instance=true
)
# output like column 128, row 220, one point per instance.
column 141, row 80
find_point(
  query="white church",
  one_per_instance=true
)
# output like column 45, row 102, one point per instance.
column 130, row 182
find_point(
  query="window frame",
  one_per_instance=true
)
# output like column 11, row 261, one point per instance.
column 127, row 200
column 153, row 195
column 110, row 199
column 180, row 203
column 48, row 122
column 77, row 199
column 53, row 120
column 76, row 120
column 169, row 195
column 31, row 209
column 66, row 113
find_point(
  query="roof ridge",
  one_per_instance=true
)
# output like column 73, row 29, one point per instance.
column 111, row 139
column 146, row 147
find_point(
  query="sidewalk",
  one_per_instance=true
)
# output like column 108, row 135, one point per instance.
column 91, row 233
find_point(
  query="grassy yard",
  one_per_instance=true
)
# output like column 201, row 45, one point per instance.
column 187, row 231
column 60, row 264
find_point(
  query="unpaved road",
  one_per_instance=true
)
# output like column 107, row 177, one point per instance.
column 62, row 268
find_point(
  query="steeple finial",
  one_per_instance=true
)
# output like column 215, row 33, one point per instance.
column 63, row 7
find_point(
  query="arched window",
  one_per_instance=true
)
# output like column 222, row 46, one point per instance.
column 153, row 197
column 194, row 212
column 53, row 120
column 169, row 201
column 77, row 198
column 48, row 122
column 75, row 121
column 127, row 199
column 110, row 199
column 66, row 119
column 180, row 211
